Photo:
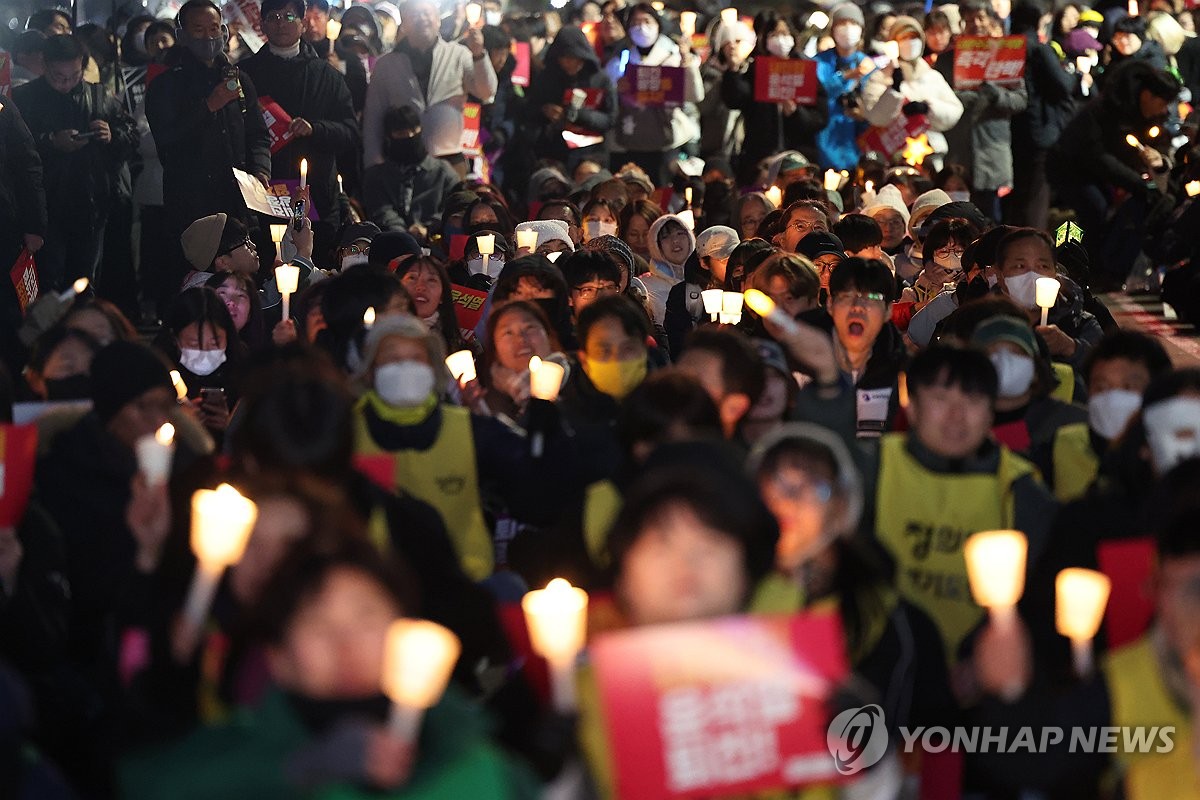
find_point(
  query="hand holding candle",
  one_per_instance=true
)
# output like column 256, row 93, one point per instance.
column 996, row 572
column 557, row 620
column 418, row 658
column 775, row 195
column 1081, row 597
column 461, row 366
column 77, row 288
column 765, row 307
column 287, row 279
column 545, row 379
column 486, row 243
column 221, row 523
column 1046, row 295
column 712, row 302
column 369, row 318
column 527, row 241
column 154, row 455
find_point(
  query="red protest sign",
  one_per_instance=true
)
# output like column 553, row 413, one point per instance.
column 468, row 308
column 521, row 72
column 891, row 140
column 986, row 59
column 18, row 450
column 646, row 87
column 779, row 79
column 25, row 279
column 278, row 123
column 701, row 46
column 5, row 73
column 1129, row 563
column 470, row 131
column 680, row 723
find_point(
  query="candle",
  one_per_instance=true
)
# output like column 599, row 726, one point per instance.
column 221, row 523
column 712, row 302
column 578, row 98
column 77, row 288
column 1193, row 188
column 180, row 386
column 474, row 13
column 775, row 195
column 418, row 658
column 333, row 29
column 1083, row 64
column 833, row 179
column 527, row 240
column 303, row 173
column 687, row 197
column 461, row 366
column 557, row 621
column 287, row 278
column 687, row 24
column 766, row 308
column 996, row 571
column 545, row 379
column 869, row 187
column 1046, row 295
column 1154, row 132
column 729, row 16
column 892, row 50
column 277, row 232
column 818, row 20
column 902, row 389
column 1081, row 595
column 340, row 189
column 1132, row 141
column 486, row 244
column 1133, row 8
column 369, row 318
column 731, row 302
column 154, row 454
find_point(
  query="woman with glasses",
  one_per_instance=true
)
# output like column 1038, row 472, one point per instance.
column 943, row 248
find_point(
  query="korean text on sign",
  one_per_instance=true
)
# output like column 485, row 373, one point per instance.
column 653, row 86
column 780, row 79
column 982, row 59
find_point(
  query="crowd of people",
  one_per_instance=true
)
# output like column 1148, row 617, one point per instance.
column 799, row 348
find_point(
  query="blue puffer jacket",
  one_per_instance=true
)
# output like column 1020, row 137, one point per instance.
column 838, row 142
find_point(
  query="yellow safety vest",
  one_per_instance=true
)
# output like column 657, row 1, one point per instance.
column 1065, row 390
column 445, row 477
column 1140, row 698
column 923, row 518
column 1075, row 462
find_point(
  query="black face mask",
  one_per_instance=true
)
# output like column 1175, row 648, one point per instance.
column 72, row 387
column 406, row 152
column 320, row 716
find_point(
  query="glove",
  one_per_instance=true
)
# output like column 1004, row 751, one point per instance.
column 988, row 92
column 915, row 108
column 897, row 79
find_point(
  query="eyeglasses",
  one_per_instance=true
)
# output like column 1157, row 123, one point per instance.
column 280, row 16
column 820, row 491
column 356, row 249
column 246, row 243
column 948, row 252
column 852, row 299
column 586, row 292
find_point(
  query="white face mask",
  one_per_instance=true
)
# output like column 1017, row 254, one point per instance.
column 847, row 36
column 1165, row 422
column 1109, row 412
column 911, row 49
column 404, row 384
column 493, row 18
column 992, row 280
column 780, row 46
column 201, row 362
column 1015, row 372
column 594, row 229
column 354, row 260
column 644, row 35
column 951, row 267
column 959, row 197
column 1023, row 289
column 494, row 265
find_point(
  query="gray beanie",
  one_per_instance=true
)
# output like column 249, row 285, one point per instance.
column 848, row 12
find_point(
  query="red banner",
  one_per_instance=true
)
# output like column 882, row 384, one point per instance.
column 468, row 308
column 1129, row 563
column 986, row 59
column 470, row 134
column 891, row 140
column 25, row 279
column 520, row 52
column 701, row 46
column 680, row 723
column 779, row 79
column 278, row 123
column 18, row 450
column 5, row 74
column 647, row 87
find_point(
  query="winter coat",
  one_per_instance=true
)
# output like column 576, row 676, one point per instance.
column 453, row 75
column 22, row 198
column 80, row 186
column 766, row 129
column 1051, row 91
column 982, row 140
column 663, row 274
column 685, row 305
column 922, row 83
column 553, row 87
column 199, row 149
column 719, row 134
column 660, row 128
column 395, row 197
column 837, row 144
column 307, row 87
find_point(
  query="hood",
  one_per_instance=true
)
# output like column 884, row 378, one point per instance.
column 571, row 41
column 655, row 227
column 1123, row 86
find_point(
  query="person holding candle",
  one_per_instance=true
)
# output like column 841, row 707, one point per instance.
column 670, row 242
column 705, row 269
column 516, row 331
column 316, row 97
column 428, row 284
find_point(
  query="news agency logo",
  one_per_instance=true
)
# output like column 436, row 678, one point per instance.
column 857, row 738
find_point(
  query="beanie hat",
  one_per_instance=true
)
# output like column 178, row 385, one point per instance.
column 390, row 245
column 613, row 247
column 906, row 24
column 925, row 205
column 820, row 243
column 124, row 371
column 358, row 231
column 549, row 230
column 202, row 241
column 889, row 197
column 847, row 12
column 717, row 241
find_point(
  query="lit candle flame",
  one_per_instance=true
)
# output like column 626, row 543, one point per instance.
column 1132, row 141
column 80, row 285
column 369, row 318
column 165, row 435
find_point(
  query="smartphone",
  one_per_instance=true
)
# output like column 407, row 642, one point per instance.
column 298, row 214
column 212, row 394
column 79, row 137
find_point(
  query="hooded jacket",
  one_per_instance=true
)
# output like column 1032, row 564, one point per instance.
column 308, row 87
column 554, row 86
column 663, row 274
column 838, row 142
column 685, row 305
column 660, row 128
